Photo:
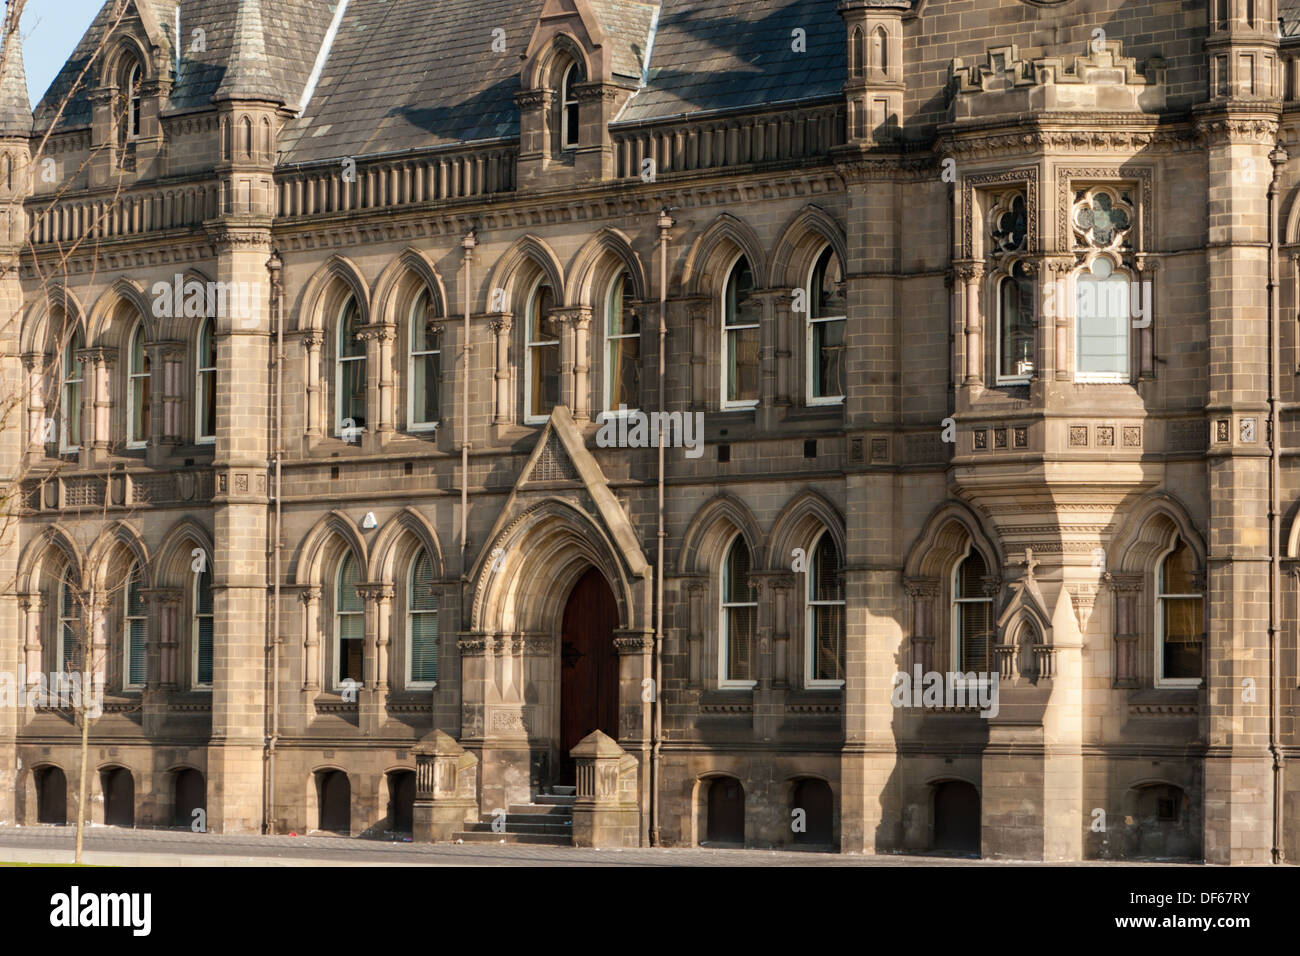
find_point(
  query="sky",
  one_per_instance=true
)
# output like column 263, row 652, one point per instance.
column 51, row 31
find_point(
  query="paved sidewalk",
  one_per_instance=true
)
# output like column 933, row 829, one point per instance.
column 111, row 846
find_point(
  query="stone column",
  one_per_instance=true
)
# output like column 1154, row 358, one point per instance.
column 310, row 598
column 500, row 324
column 96, row 400
column 34, row 365
column 1126, row 588
column 379, row 339
column 969, row 272
column 697, row 592
column 700, row 311
column 923, row 592
column 581, row 321
column 1146, row 269
column 784, row 652
column 311, row 345
column 771, row 300
column 33, row 608
column 171, row 665
column 169, row 426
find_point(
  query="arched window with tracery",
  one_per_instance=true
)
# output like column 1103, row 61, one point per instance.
column 138, row 382
column 424, row 364
column 205, row 387
column 349, row 624
column 350, row 371
column 738, row 618
column 570, row 111
column 541, row 355
column 622, row 347
column 1180, row 626
column 827, row 315
column 972, row 615
column 421, row 623
column 134, row 631
column 741, row 315
column 825, row 615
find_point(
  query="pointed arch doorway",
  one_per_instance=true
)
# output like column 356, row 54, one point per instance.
column 588, row 666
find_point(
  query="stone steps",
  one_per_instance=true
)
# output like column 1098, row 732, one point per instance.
column 548, row 820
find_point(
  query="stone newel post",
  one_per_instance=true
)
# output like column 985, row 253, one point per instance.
column 446, row 788
column 605, row 810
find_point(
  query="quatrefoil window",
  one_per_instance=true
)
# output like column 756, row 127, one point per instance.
column 1103, row 219
column 1010, row 223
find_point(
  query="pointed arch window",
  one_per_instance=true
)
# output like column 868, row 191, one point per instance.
column 622, row 347
column 569, row 109
column 70, row 399
column 857, row 52
column 70, row 644
column 541, row 355
column 349, row 624
column 972, row 615
column 1015, row 327
column 880, row 50
column 827, row 313
column 205, row 402
column 137, row 388
column 1180, row 625
column 133, row 101
column 425, row 363
column 824, row 626
column 134, row 631
column 202, row 626
column 350, row 371
column 739, row 615
column 741, row 312
column 421, row 624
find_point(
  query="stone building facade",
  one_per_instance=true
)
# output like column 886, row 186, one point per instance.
column 324, row 326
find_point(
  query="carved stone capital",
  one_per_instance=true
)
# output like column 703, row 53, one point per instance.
column 1123, row 583
column 501, row 323
column 309, row 595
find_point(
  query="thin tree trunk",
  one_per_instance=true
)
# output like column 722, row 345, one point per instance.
column 81, row 785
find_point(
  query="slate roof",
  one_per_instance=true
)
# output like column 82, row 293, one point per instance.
column 416, row 74
column 731, row 54
column 1288, row 11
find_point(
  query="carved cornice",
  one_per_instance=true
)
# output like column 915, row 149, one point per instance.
column 532, row 99
column 1251, row 129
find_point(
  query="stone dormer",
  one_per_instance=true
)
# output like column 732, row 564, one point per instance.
column 1099, row 81
column 585, row 59
column 130, row 90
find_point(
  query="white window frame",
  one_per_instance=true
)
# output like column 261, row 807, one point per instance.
column 337, row 684
column 809, row 338
column 1103, row 378
column 724, row 634
column 1159, row 642
column 137, row 574
column 339, row 361
column 195, row 617
column 997, row 354
column 569, row 99
column 411, row 613
column 132, row 374
column 133, row 103
column 810, row 615
column 60, row 659
column 69, row 362
column 411, row 357
column 727, row 330
column 609, row 410
column 954, row 627
column 208, row 329
column 529, row 345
